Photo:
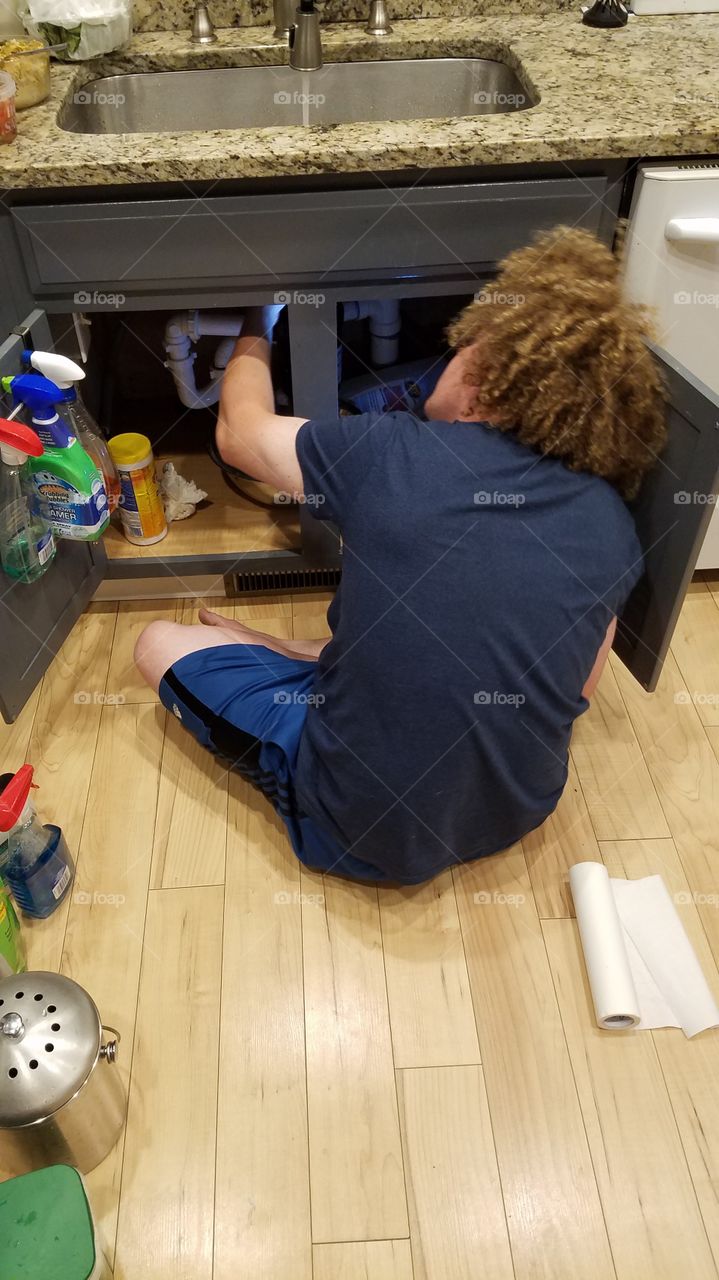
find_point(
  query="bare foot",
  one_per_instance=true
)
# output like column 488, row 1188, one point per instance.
column 211, row 619
column 305, row 650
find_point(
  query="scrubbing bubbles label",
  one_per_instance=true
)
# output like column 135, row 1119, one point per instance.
column 70, row 512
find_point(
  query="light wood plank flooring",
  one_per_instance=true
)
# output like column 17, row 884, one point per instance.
column 331, row 1083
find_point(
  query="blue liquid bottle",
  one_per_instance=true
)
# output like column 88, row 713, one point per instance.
column 37, row 865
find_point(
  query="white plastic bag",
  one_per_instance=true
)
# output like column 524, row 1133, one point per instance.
column 88, row 27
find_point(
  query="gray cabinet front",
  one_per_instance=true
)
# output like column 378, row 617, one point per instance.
column 279, row 240
column 672, row 512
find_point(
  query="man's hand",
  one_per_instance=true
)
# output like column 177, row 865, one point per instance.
column 259, row 322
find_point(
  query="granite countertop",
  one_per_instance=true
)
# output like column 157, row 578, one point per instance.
column 650, row 88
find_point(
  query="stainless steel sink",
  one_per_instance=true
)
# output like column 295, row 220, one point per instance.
column 260, row 97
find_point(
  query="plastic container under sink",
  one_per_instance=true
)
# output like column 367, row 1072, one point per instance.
column 8, row 121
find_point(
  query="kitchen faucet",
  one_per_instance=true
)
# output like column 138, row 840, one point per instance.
column 304, row 38
column 301, row 26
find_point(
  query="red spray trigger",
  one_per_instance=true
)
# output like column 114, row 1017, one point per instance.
column 19, row 436
column 14, row 797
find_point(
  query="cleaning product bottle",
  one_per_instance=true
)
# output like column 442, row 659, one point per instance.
column 69, row 485
column 12, row 947
column 27, row 547
column 66, row 374
column 37, row 867
column 142, row 513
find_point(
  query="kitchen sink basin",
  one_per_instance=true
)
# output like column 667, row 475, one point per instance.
column 261, row 97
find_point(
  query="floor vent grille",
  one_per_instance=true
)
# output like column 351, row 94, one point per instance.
column 259, row 581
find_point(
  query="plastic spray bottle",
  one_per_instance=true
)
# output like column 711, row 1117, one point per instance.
column 65, row 373
column 37, row 865
column 69, row 485
column 27, row 547
column 12, row 948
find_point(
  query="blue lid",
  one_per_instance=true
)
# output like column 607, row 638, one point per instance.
column 39, row 393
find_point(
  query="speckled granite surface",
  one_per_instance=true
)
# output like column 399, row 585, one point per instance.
column 651, row 88
column 174, row 15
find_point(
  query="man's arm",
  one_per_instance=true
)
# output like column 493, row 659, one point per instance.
column 249, row 434
column 600, row 660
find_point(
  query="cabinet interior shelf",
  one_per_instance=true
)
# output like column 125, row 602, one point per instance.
column 224, row 524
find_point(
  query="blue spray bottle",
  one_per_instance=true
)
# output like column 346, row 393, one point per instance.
column 37, row 866
column 68, row 484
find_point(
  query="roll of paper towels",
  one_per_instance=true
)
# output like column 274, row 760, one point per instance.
column 605, row 954
column 642, row 969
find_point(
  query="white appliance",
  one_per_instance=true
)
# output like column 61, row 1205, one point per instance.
column 672, row 265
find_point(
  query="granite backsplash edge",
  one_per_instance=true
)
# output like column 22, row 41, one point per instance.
column 175, row 15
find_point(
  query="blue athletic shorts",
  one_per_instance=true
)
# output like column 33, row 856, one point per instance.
column 248, row 704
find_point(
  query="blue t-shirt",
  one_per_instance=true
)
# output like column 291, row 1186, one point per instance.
column 479, row 579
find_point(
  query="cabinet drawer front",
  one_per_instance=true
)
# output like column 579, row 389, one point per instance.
column 323, row 236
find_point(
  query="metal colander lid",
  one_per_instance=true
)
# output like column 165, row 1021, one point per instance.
column 50, row 1035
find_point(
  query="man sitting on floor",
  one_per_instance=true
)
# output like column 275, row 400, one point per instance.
column 486, row 553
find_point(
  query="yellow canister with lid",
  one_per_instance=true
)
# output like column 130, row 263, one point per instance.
column 141, row 509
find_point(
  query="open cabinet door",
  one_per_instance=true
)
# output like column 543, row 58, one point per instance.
column 36, row 617
column 672, row 513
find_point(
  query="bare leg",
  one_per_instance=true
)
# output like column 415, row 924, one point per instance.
column 162, row 643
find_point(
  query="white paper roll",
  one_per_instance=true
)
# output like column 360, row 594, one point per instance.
column 610, row 976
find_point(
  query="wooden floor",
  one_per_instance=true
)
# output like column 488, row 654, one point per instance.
column 333, row 1084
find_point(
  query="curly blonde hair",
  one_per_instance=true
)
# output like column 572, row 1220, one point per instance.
column 560, row 358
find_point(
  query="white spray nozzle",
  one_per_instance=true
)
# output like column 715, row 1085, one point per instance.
column 11, row 456
column 59, row 369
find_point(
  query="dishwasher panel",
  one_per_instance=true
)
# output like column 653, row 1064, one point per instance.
column 672, row 265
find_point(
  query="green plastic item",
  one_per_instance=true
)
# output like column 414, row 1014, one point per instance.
column 46, row 1227
column 12, row 947
column 68, row 485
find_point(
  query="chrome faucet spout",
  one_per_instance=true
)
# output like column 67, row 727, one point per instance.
column 305, row 39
